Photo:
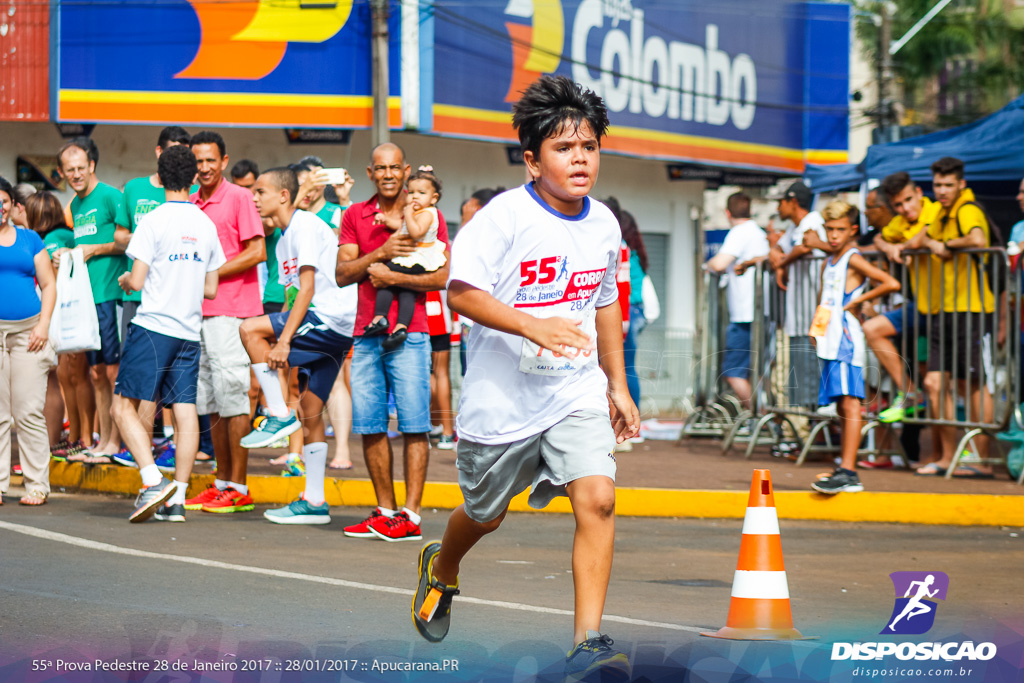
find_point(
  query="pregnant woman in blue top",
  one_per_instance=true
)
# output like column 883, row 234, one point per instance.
column 25, row 354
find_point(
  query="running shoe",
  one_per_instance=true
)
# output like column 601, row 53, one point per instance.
column 170, row 513
column 362, row 530
column 432, row 602
column 436, row 431
column 124, row 459
column 397, row 528
column 165, row 463
column 280, row 443
column 329, row 431
column 207, row 496
column 300, row 512
column 229, row 500
column 901, row 407
column 593, row 655
column 830, row 411
column 294, row 467
column 16, row 470
column 60, row 451
column 839, row 481
column 150, row 499
column 267, row 430
column 446, row 443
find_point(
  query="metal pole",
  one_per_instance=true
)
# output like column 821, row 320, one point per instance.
column 381, row 130
column 917, row 27
column 885, row 75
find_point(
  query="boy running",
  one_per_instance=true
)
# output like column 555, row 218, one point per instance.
column 536, row 337
column 838, row 336
column 314, row 335
column 177, row 254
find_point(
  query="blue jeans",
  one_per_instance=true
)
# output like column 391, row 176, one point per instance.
column 636, row 325
column 405, row 372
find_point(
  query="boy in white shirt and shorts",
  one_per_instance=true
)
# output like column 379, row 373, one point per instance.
column 545, row 365
column 177, row 254
column 314, row 335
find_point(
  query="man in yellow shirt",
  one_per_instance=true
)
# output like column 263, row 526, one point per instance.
column 914, row 211
column 961, row 323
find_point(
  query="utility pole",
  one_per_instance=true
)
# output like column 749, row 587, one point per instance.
column 887, row 127
column 381, row 130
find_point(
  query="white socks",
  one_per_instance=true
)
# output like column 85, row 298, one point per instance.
column 241, row 488
column 221, row 484
column 413, row 517
column 179, row 493
column 271, row 386
column 150, row 475
column 315, row 455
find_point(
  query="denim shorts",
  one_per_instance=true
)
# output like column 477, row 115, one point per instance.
column 736, row 360
column 405, row 372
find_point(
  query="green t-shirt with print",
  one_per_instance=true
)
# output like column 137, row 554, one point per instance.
column 58, row 238
column 274, row 291
column 140, row 197
column 95, row 218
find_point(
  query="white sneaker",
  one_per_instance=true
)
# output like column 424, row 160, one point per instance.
column 831, row 410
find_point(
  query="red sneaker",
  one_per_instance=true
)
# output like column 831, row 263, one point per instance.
column 362, row 530
column 230, row 500
column 397, row 528
column 207, row 496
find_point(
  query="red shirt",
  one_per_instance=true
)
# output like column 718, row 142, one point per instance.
column 358, row 228
column 233, row 211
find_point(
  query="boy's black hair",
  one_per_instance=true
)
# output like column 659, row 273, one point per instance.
column 486, row 194
column 284, row 178
column 173, row 134
column 549, row 104
column 92, row 152
column 5, row 186
column 245, row 167
column 423, row 173
column 949, row 166
column 311, row 161
column 894, row 183
column 209, row 137
column 300, row 167
column 177, row 168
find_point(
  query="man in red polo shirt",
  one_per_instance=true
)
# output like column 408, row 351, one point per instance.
column 223, row 390
column 366, row 244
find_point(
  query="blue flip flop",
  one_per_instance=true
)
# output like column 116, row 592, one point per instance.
column 931, row 470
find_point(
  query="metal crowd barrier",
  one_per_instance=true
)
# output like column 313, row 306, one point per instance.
column 786, row 371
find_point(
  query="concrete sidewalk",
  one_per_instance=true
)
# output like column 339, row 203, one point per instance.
column 658, row 479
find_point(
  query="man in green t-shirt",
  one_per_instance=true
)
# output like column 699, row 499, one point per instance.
column 94, row 213
column 142, row 195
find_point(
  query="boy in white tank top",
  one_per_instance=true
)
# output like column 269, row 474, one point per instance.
column 838, row 336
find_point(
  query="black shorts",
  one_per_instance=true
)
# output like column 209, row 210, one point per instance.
column 272, row 307
column 440, row 342
column 963, row 353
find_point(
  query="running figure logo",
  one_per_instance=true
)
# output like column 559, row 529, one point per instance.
column 565, row 269
column 914, row 613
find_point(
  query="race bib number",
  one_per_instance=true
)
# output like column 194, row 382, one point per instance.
column 820, row 323
column 536, row 360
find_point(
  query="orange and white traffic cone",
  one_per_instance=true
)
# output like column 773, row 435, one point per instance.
column 759, row 609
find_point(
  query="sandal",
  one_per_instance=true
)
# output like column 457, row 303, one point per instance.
column 969, row 472
column 931, row 470
column 102, row 459
column 36, row 497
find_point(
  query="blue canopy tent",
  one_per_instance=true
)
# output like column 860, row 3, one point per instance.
column 991, row 148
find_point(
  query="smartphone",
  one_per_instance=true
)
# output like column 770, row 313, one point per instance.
column 335, row 176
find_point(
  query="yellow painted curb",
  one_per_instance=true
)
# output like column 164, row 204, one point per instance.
column 900, row 508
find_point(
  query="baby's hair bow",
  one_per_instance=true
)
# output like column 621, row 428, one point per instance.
column 428, row 169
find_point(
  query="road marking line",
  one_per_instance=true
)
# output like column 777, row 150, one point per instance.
column 277, row 573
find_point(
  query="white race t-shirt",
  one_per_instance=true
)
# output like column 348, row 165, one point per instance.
column 527, row 255
column 804, row 276
column 179, row 243
column 309, row 241
column 744, row 241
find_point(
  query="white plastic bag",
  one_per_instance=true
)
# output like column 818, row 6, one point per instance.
column 74, row 326
column 652, row 307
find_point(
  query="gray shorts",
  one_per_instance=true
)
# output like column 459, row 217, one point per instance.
column 580, row 445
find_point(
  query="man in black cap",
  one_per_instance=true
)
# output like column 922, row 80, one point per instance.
column 806, row 236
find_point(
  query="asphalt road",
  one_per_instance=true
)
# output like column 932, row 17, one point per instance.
column 78, row 583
